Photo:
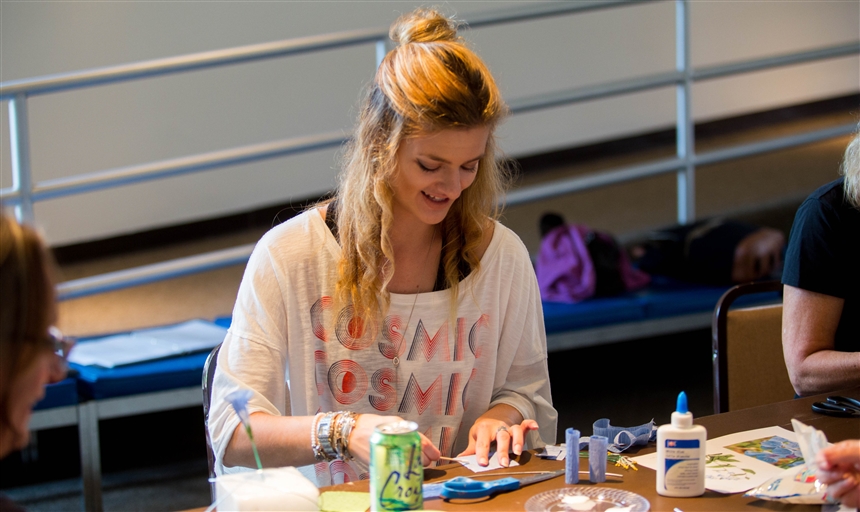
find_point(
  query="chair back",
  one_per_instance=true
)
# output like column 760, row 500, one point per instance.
column 208, row 375
column 749, row 367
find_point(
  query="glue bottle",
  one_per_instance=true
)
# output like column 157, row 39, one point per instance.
column 681, row 454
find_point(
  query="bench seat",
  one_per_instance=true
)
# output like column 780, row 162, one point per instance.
column 665, row 306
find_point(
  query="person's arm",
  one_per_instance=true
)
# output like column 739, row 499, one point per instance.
column 522, row 401
column 286, row 441
column 809, row 322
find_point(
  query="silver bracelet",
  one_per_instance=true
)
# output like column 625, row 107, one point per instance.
column 325, row 438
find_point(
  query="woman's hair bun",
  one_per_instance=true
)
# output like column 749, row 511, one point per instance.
column 423, row 26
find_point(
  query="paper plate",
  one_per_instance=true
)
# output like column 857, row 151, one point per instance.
column 596, row 499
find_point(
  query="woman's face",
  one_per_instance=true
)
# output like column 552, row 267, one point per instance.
column 433, row 169
column 26, row 389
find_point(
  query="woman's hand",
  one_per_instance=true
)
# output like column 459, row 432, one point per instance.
column 365, row 424
column 508, row 436
column 839, row 468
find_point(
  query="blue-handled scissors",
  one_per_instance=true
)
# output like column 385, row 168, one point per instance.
column 838, row 406
column 462, row 487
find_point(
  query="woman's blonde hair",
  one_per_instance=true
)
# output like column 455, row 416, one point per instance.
column 27, row 305
column 431, row 81
column 851, row 170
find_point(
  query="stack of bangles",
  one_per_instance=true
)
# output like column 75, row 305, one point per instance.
column 330, row 435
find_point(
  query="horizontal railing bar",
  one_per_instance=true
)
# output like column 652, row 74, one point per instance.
column 249, row 53
column 776, row 61
column 543, row 10
column 156, row 272
column 592, row 92
column 790, row 141
column 146, row 172
column 189, row 62
column 239, row 255
column 600, row 179
column 612, row 177
column 10, row 196
column 605, row 90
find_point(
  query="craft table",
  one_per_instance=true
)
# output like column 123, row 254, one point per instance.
column 642, row 482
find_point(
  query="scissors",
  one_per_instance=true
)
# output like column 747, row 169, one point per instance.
column 838, row 406
column 462, row 487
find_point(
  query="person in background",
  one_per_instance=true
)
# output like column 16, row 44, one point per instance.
column 28, row 343
column 839, row 468
column 821, row 304
column 404, row 297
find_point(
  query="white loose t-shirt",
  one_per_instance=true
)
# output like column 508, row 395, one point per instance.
column 299, row 356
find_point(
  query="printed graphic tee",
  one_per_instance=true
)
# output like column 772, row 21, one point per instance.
column 300, row 355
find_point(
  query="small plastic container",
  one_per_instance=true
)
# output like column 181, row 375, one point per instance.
column 267, row 489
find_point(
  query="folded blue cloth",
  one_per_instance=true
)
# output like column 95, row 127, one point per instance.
column 622, row 438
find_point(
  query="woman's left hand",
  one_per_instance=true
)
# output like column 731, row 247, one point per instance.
column 507, row 438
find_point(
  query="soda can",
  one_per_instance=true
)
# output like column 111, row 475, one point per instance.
column 396, row 469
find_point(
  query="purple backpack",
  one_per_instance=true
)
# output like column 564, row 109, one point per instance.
column 566, row 269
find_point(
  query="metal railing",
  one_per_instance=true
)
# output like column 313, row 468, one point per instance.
column 24, row 192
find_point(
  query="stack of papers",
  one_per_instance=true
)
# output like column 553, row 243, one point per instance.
column 148, row 344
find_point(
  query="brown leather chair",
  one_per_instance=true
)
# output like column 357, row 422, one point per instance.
column 749, row 367
column 208, row 375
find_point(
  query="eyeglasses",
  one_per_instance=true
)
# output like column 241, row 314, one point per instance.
column 61, row 345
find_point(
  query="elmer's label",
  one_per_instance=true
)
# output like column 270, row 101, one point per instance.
column 682, row 463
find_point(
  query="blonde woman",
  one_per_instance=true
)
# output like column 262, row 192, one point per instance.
column 27, row 342
column 401, row 298
column 821, row 312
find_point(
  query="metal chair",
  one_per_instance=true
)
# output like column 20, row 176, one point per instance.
column 749, row 367
column 208, row 375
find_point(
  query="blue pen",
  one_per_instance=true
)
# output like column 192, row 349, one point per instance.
column 466, row 488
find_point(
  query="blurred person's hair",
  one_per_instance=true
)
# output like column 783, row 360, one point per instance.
column 27, row 304
column 430, row 82
column 851, row 170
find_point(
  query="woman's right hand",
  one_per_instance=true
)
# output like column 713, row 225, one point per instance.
column 839, row 468
column 365, row 424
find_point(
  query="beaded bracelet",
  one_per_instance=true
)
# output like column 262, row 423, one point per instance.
column 315, row 444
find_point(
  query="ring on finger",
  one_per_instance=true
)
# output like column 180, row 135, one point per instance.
column 503, row 428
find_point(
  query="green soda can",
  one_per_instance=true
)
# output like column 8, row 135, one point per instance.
column 396, row 471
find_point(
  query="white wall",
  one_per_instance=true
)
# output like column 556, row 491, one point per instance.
column 116, row 125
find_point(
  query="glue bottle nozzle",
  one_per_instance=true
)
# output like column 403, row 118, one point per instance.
column 681, row 407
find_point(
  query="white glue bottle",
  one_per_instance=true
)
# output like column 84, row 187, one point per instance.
column 681, row 454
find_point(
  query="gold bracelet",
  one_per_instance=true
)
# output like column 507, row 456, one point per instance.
column 347, row 424
column 315, row 444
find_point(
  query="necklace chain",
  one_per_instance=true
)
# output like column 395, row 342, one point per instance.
column 415, row 300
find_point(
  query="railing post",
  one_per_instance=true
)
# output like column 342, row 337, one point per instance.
column 19, row 138
column 684, row 116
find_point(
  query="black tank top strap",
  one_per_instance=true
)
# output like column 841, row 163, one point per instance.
column 331, row 219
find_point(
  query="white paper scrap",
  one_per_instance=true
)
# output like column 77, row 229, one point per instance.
column 148, row 344
column 553, row 452
column 471, row 463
